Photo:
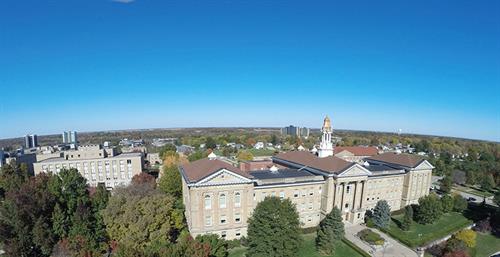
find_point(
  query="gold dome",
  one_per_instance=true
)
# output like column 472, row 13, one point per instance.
column 326, row 123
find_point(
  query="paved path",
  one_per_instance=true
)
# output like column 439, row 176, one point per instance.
column 393, row 248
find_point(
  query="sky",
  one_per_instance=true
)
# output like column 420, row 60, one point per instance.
column 425, row 67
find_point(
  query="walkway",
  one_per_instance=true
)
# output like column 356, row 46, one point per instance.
column 393, row 248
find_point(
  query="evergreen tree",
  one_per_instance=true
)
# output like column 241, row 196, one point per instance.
column 381, row 214
column 331, row 231
column 274, row 229
column 407, row 218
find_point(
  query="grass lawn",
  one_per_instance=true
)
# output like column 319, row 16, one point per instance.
column 420, row 235
column 487, row 244
column 473, row 190
column 308, row 249
column 261, row 152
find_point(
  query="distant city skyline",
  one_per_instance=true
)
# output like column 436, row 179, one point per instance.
column 427, row 67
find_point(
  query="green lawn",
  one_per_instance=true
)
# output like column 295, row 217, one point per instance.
column 420, row 235
column 308, row 249
column 487, row 244
column 473, row 190
column 261, row 152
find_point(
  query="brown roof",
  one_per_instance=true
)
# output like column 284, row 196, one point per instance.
column 403, row 159
column 329, row 164
column 197, row 170
column 357, row 150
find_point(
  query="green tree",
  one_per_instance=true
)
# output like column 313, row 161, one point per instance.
column 218, row 247
column 139, row 220
column 171, row 182
column 496, row 198
column 447, row 203
column 446, row 184
column 12, row 176
column 210, row 143
column 330, row 232
column 487, row 182
column 167, row 149
column 429, row 209
column 197, row 156
column 459, row 203
column 381, row 214
column 407, row 218
column 274, row 229
column 245, row 156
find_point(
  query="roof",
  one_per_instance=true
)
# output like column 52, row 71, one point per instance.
column 197, row 170
column 357, row 150
column 402, row 159
column 283, row 173
column 330, row 164
column 118, row 156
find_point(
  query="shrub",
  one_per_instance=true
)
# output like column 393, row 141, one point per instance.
column 467, row 236
column 447, row 203
column 429, row 209
column 370, row 237
column 459, row 203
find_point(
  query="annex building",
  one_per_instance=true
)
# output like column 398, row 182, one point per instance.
column 219, row 197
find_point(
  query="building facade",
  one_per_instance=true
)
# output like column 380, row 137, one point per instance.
column 30, row 141
column 295, row 131
column 70, row 137
column 97, row 164
column 219, row 198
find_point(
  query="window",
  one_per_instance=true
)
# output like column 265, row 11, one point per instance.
column 359, row 215
column 296, row 194
column 311, row 193
column 222, row 201
column 238, row 233
column 348, row 189
column 309, row 218
column 223, row 234
column 310, row 206
column 223, row 219
column 237, row 218
column 208, row 221
column 208, row 202
column 237, row 199
column 346, row 205
column 282, row 194
column 129, row 161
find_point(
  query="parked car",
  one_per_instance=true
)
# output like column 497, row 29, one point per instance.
column 471, row 199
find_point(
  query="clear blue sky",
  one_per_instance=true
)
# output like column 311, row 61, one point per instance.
column 427, row 67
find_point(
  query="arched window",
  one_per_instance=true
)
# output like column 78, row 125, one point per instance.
column 208, row 202
column 222, row 201
column 237, row 199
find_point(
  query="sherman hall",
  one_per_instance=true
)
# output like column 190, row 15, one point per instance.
column 219, row 197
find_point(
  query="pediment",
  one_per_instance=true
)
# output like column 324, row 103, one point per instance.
column 223, row 177
column 355, row 171
column 425, row 165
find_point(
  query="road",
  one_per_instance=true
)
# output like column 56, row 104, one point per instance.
column 479, row 199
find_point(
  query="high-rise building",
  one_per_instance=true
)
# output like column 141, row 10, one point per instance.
column 30, row 141
column 295, row 131
column 70, row 137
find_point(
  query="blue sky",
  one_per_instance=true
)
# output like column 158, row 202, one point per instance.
column 427, row 67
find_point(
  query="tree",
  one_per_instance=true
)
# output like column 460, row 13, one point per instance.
column 210, row 143
column 445, row 184
column 144, row 179
column 218, row 247
column 197, row 156
column 458, row 177
column 141, row 220
column 453, row 245
column 467, row 236
column 447, row 203
column 407, row 218
column 245, row 156
column 12, row 176
column 171, row 182
column 381, row 214
column 496, row 199
column 330, row 232
column 429, row 209
column 167, row 149
column 274, row 229
column 459, row 203
column 487, row 182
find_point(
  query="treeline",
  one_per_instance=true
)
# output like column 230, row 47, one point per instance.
column 58, row 215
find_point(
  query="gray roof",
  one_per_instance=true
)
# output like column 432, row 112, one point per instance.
column 282, row 173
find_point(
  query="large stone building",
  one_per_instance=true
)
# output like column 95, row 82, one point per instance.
column 219, row 198
column 97, row 164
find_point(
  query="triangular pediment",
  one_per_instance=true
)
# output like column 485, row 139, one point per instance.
column 223, row 177
column 344, row 153
column 425, row 165
column 354, row 171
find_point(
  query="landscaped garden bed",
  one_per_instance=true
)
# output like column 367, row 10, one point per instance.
column 370, row 237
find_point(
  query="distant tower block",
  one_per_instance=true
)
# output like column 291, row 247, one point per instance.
column 326, row 145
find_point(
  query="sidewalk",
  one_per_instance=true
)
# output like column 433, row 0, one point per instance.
column 393, row 248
